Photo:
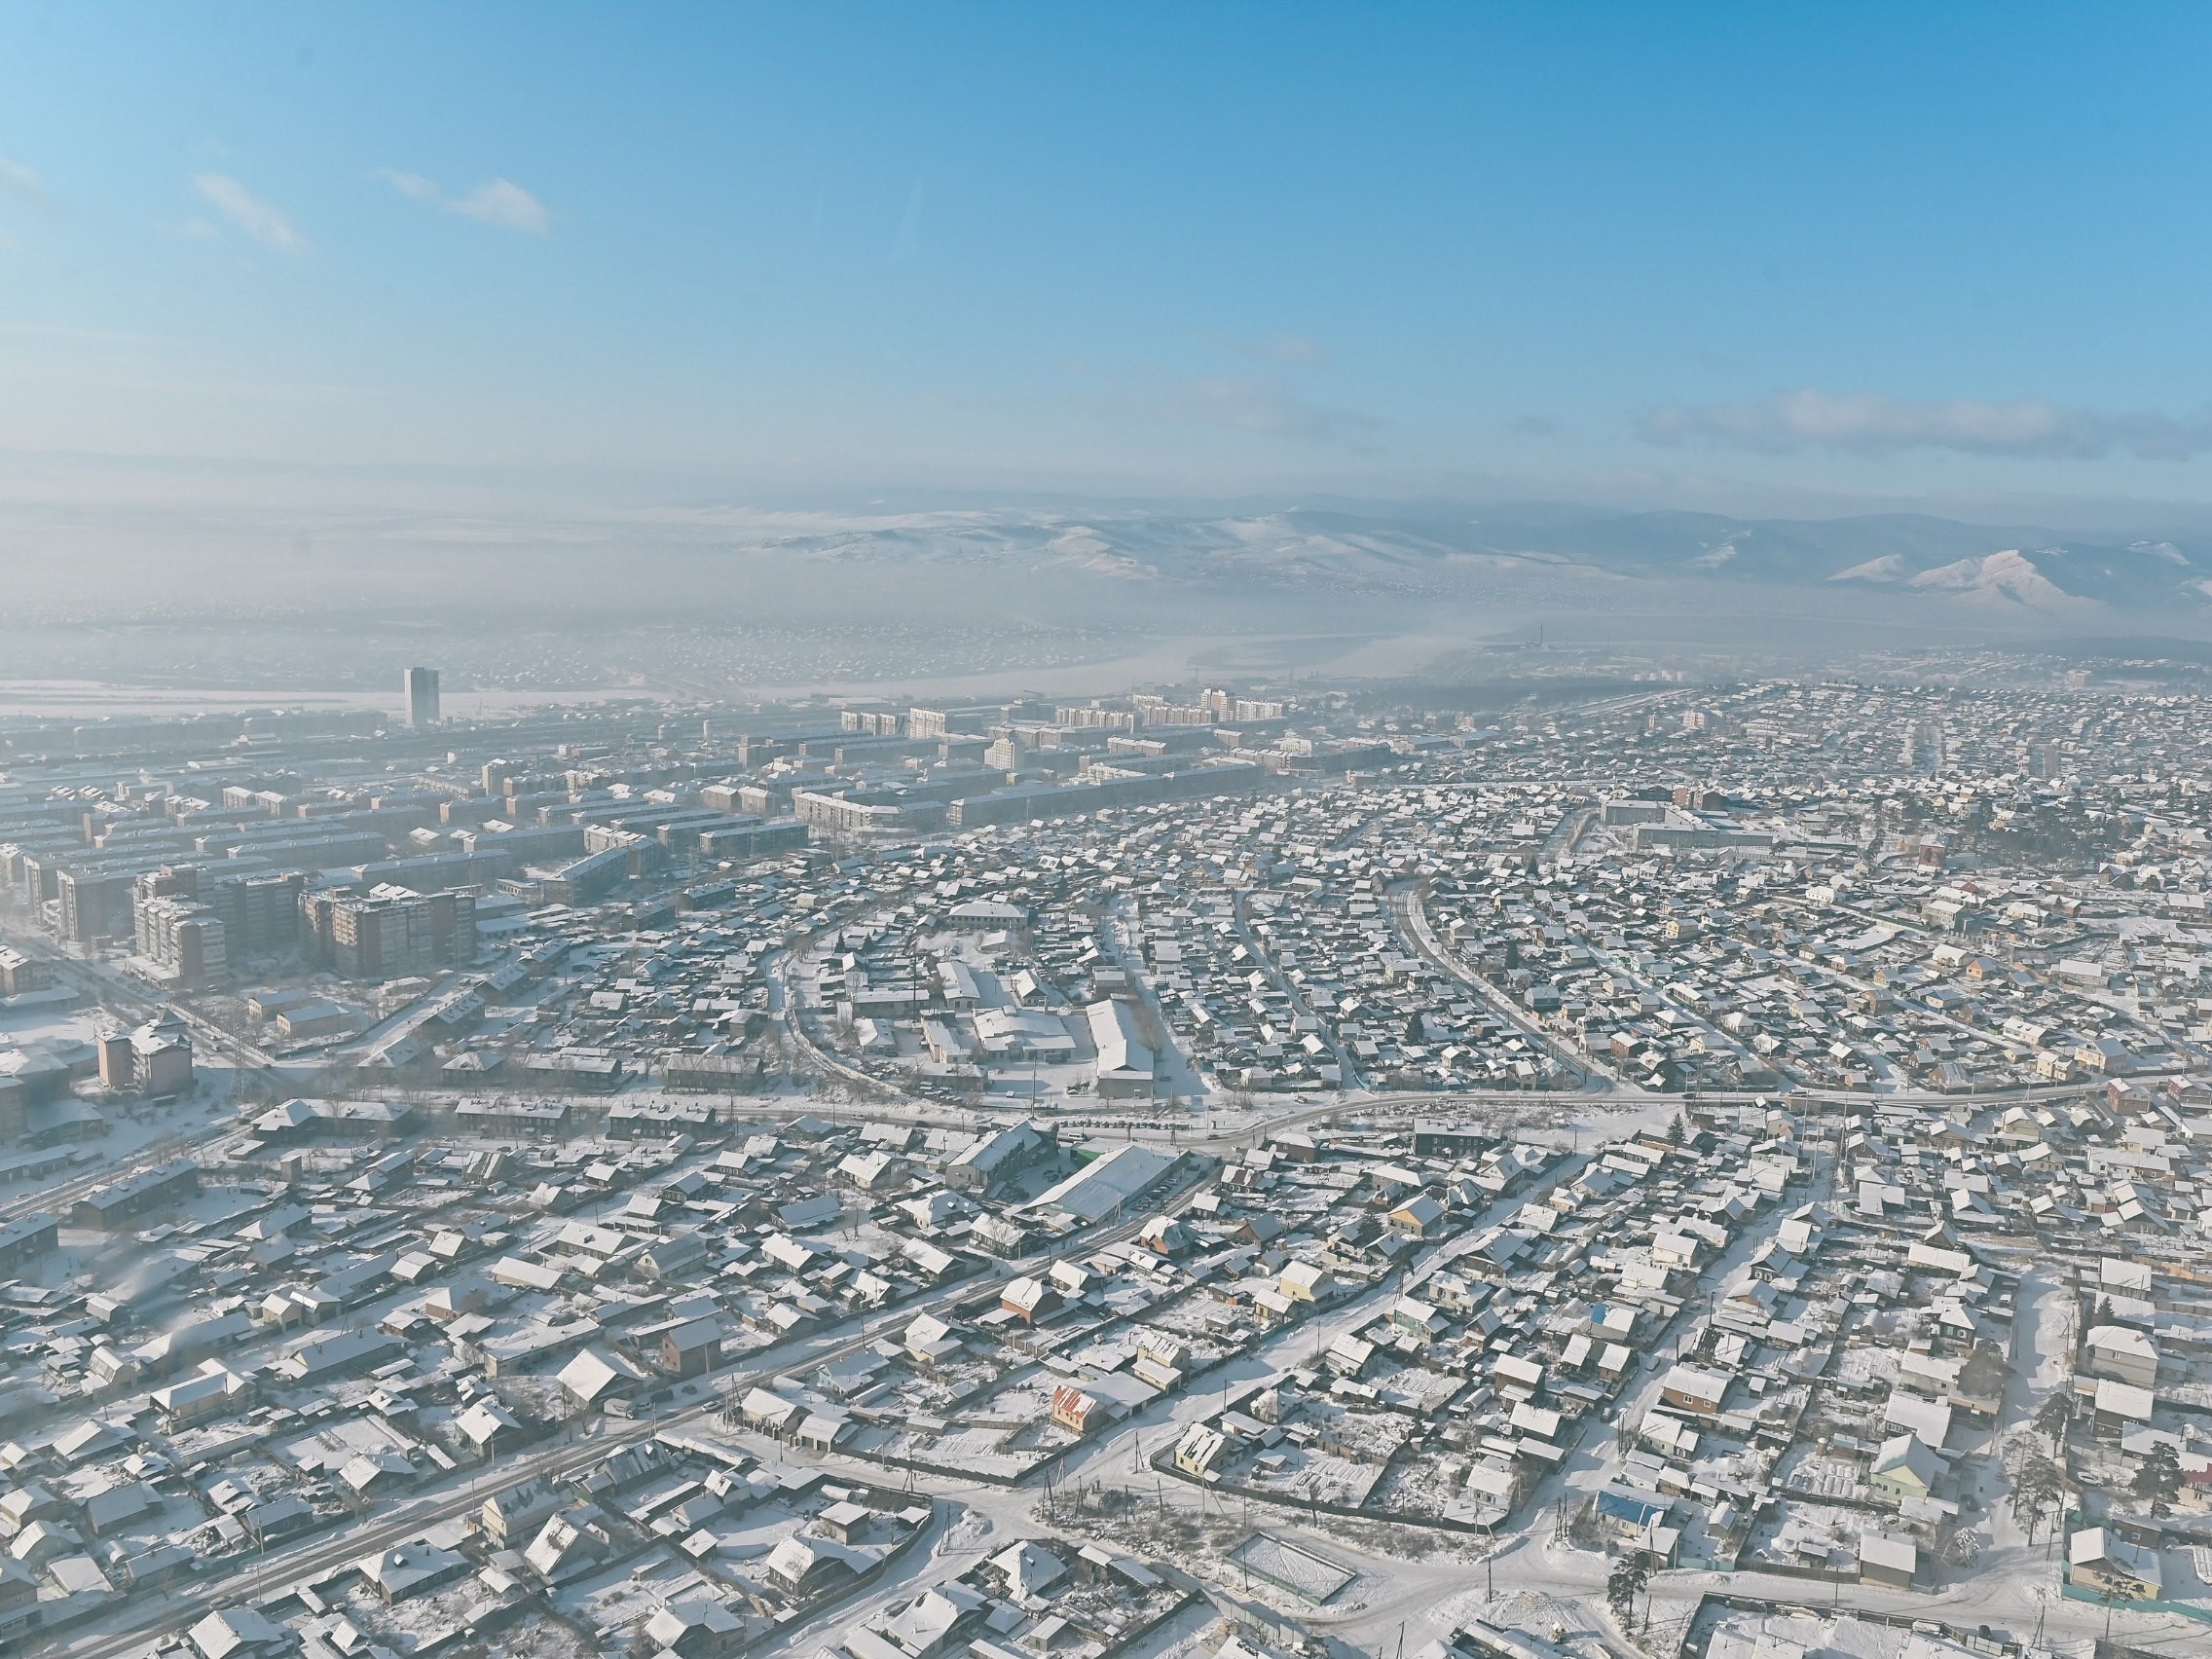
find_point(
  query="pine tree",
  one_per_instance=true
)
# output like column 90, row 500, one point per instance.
column 2051, row 1419
column 2035, row 1489
column 2158, row 1477
column 1624, row 1584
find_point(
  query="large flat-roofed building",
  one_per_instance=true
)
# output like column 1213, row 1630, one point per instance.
column 972, row 721
column 1103, row 788
column 757, row 840
column 1106, row 1185
column 115, row 1207
column 1127, row 1062
column 867, row 812
column 26, row 1239
column 582, row 881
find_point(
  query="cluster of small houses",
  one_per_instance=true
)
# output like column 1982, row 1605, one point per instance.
column 1886, row 1318
column 480, row 1327
column 1033, row 1598
column 1791, row 1328
column 1795, row 942
column 1797, row 1378
column 1009, row 985
column 1279, row 964
column 1510, row 908
column 1731, row 969
column 1490, row 1363
column 210, row 1358
column 939, row 969
column 1265, row 977
column 682, row 1544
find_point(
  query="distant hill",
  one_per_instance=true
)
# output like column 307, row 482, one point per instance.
column 1919, row 559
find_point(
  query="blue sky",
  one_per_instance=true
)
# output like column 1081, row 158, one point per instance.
column 1794, row 252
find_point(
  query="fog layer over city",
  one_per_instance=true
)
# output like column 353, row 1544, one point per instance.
column 532, row 596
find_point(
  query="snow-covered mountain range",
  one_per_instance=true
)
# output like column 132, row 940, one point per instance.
column 1918, row 558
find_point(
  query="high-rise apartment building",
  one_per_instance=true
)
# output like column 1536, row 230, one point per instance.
column 21, row 975
column 372, row 937
column 153, row 1060
column 421, row 696
column 261, row 911
column 194, row 921
column 182, row 939
column 94, row 905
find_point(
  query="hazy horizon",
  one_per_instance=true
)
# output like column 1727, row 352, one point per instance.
column 1723, row 259
column 1082, row 334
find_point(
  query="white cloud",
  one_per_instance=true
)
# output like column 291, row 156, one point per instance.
column 496, row 201
column 19, row 181
column 261, row 220
column 501, row 202
column 412, row 184
column 1868, row 424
